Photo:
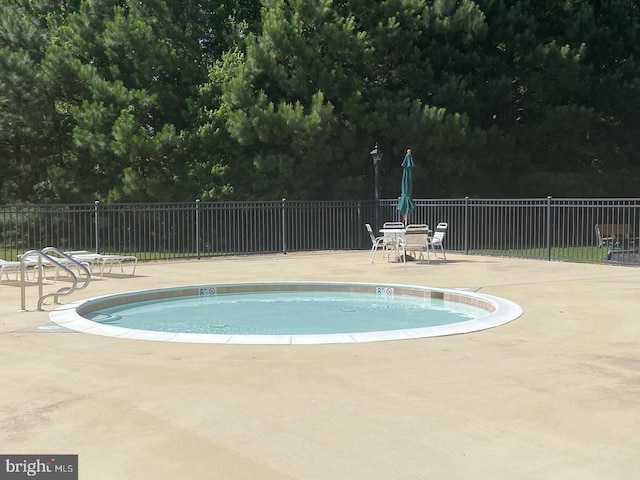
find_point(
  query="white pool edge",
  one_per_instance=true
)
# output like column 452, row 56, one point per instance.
column 505, row 312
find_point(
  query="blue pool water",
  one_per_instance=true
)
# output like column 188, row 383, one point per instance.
column 286, row 313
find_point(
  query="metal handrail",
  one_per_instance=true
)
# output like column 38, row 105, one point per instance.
column 79, row 264
column 44, row 255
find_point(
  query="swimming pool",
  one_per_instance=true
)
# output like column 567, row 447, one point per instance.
column 287, row 313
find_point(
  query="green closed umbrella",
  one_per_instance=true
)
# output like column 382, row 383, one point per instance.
column 405, row 204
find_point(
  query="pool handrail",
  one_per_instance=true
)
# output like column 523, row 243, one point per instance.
column 27, row 258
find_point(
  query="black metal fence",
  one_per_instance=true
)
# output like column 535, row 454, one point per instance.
column 546, row 228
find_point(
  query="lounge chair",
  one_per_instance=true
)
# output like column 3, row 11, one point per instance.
column 7, row 267
column 36, row 261
column 436, row 241
column 102, row 261
column 30, row 262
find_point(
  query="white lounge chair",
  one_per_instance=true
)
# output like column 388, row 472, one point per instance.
column 437, row 240
column 36, row 261
column 102, row 261
column 7, row 267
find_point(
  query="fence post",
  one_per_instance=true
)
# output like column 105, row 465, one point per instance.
column 97, row 226
column 197, row 236
column 549, row 227
column 466, row 225
column 284, row 227
column 359, row 222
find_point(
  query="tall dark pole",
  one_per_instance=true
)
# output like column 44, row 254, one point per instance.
column 376, row 181
column 376, row 154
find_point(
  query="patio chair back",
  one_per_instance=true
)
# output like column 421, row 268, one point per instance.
column 393, row 225
column 415, row 241
column 437, row 240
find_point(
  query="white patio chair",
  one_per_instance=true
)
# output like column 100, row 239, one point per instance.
column 393, row 225
column 415, row 241
column 417, row 226
column 393, row 233
column 375, row 243
column 436, row 241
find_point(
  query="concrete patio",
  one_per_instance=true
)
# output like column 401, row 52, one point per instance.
column 551, row 395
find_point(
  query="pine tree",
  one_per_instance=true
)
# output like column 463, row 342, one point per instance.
column 30, row 134
column 322, row 82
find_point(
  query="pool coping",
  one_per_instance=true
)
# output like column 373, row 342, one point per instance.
column 500, row 311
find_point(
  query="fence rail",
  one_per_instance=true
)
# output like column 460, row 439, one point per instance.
column 543, row 228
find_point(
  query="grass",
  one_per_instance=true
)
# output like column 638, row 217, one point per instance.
column 570, row 254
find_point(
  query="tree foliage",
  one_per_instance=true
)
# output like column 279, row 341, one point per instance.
column 118, row 100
